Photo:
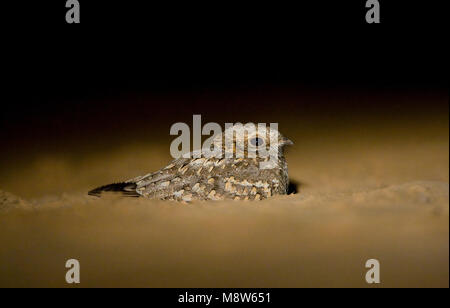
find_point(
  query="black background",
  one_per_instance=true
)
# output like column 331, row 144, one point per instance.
column 63, row 80
column 134, row 64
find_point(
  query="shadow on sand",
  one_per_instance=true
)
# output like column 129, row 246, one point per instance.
column 294, row 187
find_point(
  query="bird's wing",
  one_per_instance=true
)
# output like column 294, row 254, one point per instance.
column 145, row 185
column 182, row 179
column 210, row 178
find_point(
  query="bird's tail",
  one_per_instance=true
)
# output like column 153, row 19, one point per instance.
column 127, row 189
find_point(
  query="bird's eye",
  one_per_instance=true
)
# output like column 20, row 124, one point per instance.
column 256, row 141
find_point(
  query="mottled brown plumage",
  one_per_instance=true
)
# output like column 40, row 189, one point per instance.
column 215, row 178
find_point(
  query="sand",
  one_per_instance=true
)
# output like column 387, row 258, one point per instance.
column 363, row 192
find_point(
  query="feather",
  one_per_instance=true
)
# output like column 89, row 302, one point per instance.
column 127, row 189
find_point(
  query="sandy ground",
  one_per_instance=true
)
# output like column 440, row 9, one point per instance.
column 363, row 192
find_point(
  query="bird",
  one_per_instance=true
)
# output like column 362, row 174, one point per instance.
column 225, row 175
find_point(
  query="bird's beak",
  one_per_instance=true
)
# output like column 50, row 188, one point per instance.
column 287, row 141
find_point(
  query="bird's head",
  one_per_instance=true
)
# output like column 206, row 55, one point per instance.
column 248, row 138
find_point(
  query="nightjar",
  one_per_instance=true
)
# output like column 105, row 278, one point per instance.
column 233, row 172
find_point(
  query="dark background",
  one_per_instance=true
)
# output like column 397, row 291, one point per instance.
column 130, row 67
column 91, row 104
